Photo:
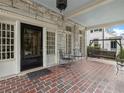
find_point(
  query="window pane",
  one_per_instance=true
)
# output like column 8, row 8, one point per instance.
column 3, row 41
column 12, row 34
column 0, row 32
column 3, row 55
column 8, row 48
column 12, row 55
column 8, row 55
column 3, row 48
column 3, row 34
column 8, row 27
column 12, row 48
column 100, row 29
column 12, row 41
column 96, row 30
column 0, row 56
column 0, row 26
column 91, row 31
column 8, row 41
column 8, row 34
column 68, row 28
column 0, row 49
column 3, row 26
column 12, row 27
column 31, row 43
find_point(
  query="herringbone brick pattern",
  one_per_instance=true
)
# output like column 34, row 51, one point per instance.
column 79, row 77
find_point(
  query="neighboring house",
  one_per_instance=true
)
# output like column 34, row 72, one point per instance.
column 101, row 33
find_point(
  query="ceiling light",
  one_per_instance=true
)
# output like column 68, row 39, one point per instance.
column 61, row 4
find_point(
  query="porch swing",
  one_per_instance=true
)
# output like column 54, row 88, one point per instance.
column 103, row 53
column 119, row 58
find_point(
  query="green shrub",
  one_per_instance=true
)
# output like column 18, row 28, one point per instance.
column 121, row 54
column 92, row 47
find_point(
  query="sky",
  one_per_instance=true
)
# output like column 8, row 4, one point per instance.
column 118, row 29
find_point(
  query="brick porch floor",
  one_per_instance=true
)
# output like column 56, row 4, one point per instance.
column 80, row 77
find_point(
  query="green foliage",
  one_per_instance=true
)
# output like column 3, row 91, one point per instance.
column 93, row 47
column 91, row 50
column 121, row 54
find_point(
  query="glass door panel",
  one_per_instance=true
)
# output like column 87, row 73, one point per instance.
column 31, row 46
column 32, row 43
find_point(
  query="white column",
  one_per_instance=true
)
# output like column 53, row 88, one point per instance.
column 17, row 46
column 86, row 44
column 56, row 48
column 44, row 48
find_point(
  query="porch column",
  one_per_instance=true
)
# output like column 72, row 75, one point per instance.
column 44, row 48
column 17, row 46
column 86, row 43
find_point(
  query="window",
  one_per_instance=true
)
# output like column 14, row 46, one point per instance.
column 68, row 28
column 113, row 44
column 6, row 41
column 80, row 32
column 91, row 31
column 68, row 39
column 32, row 42
column 81, row 42
column 96, row 30
column 100, row 30
column 68, row 43
column 50, row 42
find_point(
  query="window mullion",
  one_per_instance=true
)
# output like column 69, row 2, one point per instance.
column 10, row 41
column 1, row 41
column 5, row 41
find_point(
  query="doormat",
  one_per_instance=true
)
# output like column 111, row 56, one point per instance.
column 38, row 74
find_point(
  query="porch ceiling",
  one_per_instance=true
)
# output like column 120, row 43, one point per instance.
column 90, row 12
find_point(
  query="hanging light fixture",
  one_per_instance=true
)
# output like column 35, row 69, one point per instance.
column 61, row 4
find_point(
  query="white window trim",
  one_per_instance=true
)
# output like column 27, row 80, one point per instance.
column 55, row 43
column 9, row 59
column 68, row 33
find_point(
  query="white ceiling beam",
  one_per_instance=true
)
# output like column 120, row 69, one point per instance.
column 107, row 25
column 87, row 7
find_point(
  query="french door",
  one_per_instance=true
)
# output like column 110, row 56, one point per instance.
column 31, row 46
